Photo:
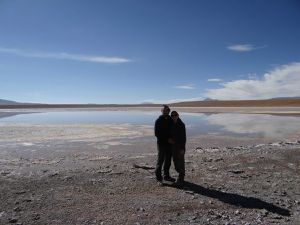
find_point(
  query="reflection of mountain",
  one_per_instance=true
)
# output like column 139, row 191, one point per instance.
column 10, row 114
column 268, row 125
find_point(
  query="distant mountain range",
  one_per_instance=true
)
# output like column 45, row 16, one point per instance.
column 210, row 99
column 7, row 102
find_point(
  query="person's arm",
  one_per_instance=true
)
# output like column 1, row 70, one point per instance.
column 183, row 137
column 156, row 129
column 184, row 134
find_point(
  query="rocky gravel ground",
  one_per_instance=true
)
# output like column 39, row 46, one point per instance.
column 76, row 183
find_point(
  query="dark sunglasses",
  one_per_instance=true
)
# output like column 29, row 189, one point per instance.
column 173, row 115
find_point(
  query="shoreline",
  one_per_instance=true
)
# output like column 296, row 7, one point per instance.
column 275, row 102
column 285, row 111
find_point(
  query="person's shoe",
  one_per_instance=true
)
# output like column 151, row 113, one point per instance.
column 159, row 178
column 169, row 178
column 179, row 182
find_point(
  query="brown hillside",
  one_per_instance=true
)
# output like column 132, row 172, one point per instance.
column 242, row 103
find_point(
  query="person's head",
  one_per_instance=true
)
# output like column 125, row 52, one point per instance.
column 165, row 110
column 174, row 116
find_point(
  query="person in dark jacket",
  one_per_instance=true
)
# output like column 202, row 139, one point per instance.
column 178, row 140
column 162, row 132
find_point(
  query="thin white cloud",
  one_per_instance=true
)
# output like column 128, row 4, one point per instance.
column 282, row 81
column 186, row 86
column 252, row 76
column 244, row 47
column 214, row 80
column 67, row 56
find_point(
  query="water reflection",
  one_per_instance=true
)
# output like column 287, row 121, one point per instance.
column 258, row 124
column 254, row 125
column 9, row 114
column 82, row 117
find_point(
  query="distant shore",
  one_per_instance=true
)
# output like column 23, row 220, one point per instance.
column 289, row 102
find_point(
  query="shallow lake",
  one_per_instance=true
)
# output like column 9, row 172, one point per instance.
column 250, row 125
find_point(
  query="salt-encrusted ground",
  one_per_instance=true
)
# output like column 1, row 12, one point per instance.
column 86, row 182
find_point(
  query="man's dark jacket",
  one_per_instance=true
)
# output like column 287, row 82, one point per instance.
column 178, row 134
column 162, row 129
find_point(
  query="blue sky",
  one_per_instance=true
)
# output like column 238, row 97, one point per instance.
column 133, row 51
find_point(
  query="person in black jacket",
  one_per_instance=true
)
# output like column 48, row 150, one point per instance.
column 162, row 132
column 178, row 140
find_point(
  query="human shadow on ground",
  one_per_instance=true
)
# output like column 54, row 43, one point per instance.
column 233, row 199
